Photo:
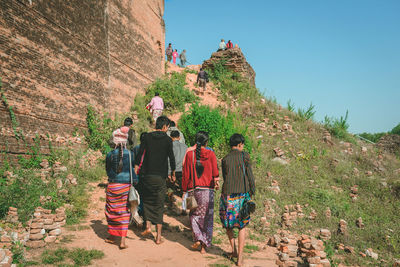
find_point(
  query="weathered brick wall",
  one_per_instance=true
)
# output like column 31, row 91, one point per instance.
column 58, row 56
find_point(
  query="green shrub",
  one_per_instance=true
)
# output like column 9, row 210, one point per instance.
column 396, row 129
column 144, row 116
column 306, row 114
column 171, row 88
column 373, row 137
column 218, row 126
column 231, row 84
column 290, row 105
column 337, row 127
column 100, row 128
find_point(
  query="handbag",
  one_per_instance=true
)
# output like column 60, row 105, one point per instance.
column 133, row 198
column 133, row 193
column 248, row 206
column 191, row 202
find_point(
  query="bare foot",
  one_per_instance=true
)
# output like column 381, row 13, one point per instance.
column 159, row 240
column 110, row 240
column 239, row 261
column 123, row 246
column 203, row 249
column 146, row 232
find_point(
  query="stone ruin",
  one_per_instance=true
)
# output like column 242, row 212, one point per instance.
column 390, row 143
column 297, row 250
column 235, row 61
column 43, row 229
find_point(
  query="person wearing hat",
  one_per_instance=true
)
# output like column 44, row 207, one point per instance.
column 119, row 169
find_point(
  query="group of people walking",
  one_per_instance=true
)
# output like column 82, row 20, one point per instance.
column 163, row 155
column 172, row 54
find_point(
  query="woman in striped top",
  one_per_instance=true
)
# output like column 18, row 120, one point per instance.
column 238, row 187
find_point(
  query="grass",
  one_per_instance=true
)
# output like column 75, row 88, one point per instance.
column 79, row 256
column 331, row 182
column 250, row 248
column 23, row 191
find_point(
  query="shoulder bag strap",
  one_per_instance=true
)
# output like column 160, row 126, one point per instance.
column 130, row 164
column 194, row 170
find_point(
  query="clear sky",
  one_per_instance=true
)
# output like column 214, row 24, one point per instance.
column 338, row 54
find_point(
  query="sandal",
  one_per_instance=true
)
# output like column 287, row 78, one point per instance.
column 195, row 245
column 123, row 247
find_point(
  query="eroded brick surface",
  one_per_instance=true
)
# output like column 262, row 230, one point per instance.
column 59, row 56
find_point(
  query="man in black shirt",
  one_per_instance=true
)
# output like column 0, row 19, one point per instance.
column 156, row 148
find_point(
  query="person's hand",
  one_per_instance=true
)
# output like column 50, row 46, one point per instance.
column 173, row 178
column 136, row 169
column 216, row 185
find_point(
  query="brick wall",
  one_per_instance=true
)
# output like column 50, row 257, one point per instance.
column 58, row 56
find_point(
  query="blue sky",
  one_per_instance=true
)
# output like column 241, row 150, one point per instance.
column 340, row 55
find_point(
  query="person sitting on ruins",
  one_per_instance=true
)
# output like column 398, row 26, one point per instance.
column 229, row 45
column 222, row 45
column 202, row 79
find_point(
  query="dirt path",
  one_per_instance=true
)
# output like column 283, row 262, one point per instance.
column 144, row 252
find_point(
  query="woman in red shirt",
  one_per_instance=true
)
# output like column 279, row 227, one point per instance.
column 200, row 177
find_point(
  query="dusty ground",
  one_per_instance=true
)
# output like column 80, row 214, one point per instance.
column 175, row 251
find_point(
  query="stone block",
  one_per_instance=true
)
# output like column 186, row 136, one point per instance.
column 36, row 225
column 51, row 226
column 37, row 236
column 35, row 244
column 50, row 239
column 48, row 221
column 55, row 232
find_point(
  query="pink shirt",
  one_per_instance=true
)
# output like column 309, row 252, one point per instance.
column 175, row 54
column 157, row 103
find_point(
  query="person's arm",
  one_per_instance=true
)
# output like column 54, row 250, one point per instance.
column 140, row 154
column 171, row 159
column 151, row 102
column 185, row 173
column 198, row 77
column 250, row 174
column 135, row 179
column 215, row 172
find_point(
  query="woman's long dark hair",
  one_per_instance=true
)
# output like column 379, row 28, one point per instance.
column 201, row 140
column 121, row 155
